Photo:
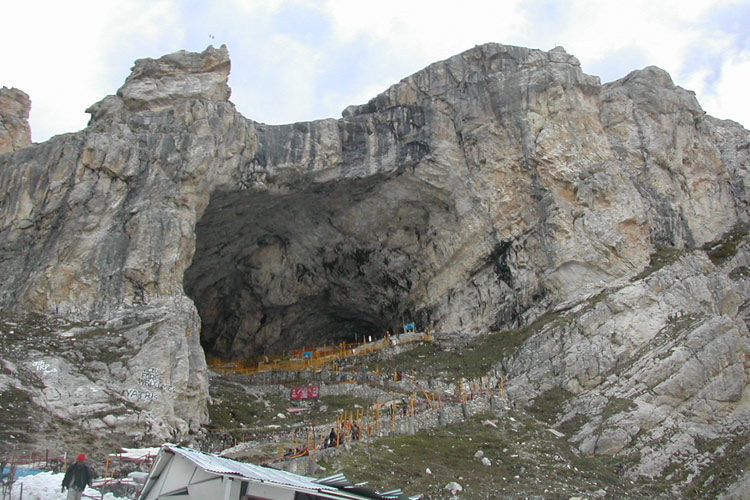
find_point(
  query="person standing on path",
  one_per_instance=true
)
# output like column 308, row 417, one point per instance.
column 77, row 477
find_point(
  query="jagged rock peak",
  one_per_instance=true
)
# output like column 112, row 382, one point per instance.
column 15, row 132
column 157, row 83
column 651, row 75
column 182, row 62
column 470, row 66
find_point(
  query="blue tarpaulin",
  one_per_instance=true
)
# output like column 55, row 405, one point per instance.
column 21, row 472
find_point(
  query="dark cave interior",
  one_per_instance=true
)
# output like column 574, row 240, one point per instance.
column 316, row 265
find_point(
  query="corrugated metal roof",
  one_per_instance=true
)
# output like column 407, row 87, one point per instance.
column 368, row 493
column 392, row 493
column 221, row 465
column 338, row 480
column 336, row 486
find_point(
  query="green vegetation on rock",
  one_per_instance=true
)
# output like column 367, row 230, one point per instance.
column 725, row 248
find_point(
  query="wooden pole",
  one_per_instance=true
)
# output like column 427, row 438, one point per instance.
column 393, row 417
column 377, row 417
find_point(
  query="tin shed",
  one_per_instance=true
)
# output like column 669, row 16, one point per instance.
column 184, row 474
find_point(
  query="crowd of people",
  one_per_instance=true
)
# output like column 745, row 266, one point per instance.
column 335, row 438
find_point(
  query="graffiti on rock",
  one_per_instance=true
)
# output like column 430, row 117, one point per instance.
column 152, row 378
column 42, row 366
column 138, row 395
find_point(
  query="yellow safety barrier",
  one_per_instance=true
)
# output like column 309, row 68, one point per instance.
column 311, row 359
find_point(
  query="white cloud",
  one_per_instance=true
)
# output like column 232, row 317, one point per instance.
column 426, row 31
column 613, row 38
column 62, row 53
column 256, row 7
column 296, row 60
column 401, row 37
column 297, row 77
column 727, row 97
column 52, row 51
column 662, row 30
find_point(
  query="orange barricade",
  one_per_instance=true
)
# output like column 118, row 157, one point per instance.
column 307, row 359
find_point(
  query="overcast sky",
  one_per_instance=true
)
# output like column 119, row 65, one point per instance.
column 298, row 60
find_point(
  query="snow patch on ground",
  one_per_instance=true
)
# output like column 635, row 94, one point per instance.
column 46, row 486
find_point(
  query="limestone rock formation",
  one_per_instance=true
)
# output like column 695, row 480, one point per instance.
column 485, row 192
column 656, row 364
column 15, row 132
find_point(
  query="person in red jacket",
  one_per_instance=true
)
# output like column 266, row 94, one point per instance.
column 77, row 477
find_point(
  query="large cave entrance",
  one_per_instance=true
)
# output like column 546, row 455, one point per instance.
column 315, row 265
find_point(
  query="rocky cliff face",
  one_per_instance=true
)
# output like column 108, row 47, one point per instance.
column 14, row 120
column 480, row 193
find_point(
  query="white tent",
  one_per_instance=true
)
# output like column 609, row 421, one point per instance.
column 180, row 473
column 139, row 455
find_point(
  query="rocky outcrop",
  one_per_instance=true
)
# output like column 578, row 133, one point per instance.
column 77, row 235
column 157, row 84
column 15, row 132
column 477, row 194
column 655, row 367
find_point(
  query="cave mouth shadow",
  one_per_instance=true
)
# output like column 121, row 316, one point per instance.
column 318, row 265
